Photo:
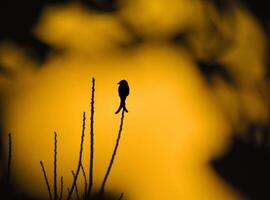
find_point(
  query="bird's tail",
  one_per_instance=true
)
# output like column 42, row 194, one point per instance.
column 122, row 105
column 118, row 110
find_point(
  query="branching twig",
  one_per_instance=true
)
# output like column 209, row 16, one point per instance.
column 55, row 166
column 68, row 193
column 9, row 157
column 46, row 180
column 87, row 188
column 79, row 162
column 91, row 140
column 76, row 188
column 121, row 196
column 113, row 155
column 61, row 188
column 85, row 182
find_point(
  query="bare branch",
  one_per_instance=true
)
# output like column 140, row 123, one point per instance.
column 113, row 155
column 46, row 180
column 80, row 160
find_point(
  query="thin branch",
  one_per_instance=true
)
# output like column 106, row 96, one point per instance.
column 61, row 188
column 91, row 140
column 46, row 180
column 85, row 182
column 76, row 188
column 80, row 160
column 68, row 193
column 121, row 196
column 55, row 166
column 113, row 155
column 9, row 157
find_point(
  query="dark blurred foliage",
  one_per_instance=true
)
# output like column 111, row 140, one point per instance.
column 246, row 166
column 212, row 69
column 18, row 18
column 223, row 5
column 102, row 5
column 260, row 9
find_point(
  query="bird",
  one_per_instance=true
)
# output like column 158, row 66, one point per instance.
column 123, row 91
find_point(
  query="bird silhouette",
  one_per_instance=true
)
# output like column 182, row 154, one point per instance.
column 123, row 91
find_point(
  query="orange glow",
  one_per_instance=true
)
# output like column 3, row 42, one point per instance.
column 176, row 122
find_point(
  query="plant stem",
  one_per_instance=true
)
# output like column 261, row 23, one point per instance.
column 76, row 188
column 46, row 180
column 61, row 188
column 121, row 196
column 55, row 166
column 113, row 155
column 91, row 140
column 79, row 162
column 85, row 182
column 9, row 157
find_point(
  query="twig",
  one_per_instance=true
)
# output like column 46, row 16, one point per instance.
column 113, row 155
column 9, row 157
column 68, row 193
column 55, row 166
column 80, row 160
column 91, row 140
column 121, row 196
column 46, row 180
column 76, row 188
column 85, row 182
column 61, row 188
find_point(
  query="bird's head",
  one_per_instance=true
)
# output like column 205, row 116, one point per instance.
column 122, row 82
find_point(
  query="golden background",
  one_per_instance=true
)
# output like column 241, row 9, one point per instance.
column 176, row 123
